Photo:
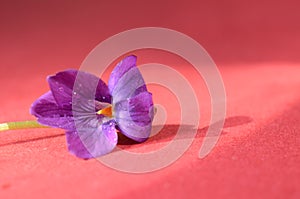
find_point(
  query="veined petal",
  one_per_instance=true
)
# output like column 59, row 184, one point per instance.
column 128, row 85
column 87, row 86
column 141, row 89
column 122, row 67
column 134, row 116
column 92, row 142
column 50, row 114
column 141, row 109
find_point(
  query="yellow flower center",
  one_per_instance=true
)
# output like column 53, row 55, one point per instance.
column 107, row 111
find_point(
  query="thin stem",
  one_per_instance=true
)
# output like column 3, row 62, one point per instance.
column 20, row 125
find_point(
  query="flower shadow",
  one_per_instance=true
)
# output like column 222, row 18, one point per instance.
column 31, row 139
column 167, row 132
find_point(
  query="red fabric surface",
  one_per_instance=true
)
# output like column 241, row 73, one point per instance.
column 255, row 45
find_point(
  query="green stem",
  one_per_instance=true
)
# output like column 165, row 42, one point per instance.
column 20, row 125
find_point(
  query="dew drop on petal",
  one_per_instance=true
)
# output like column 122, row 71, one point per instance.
column 115, row 139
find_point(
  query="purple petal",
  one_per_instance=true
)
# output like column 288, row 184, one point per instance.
column 141, row 109
column 92, row 142
column 122, row 67
column 67, row 84
column 134, row 116
column 141, row 89
column 128, row 85
column 49, row 114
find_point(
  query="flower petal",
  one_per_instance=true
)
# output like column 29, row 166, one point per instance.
column 92, row 142
column 122, row 67
column 49, row 114
column 128, row 86
column 87, row 86
column 134, row 116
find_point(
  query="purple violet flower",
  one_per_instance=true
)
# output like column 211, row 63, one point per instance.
column 91, row 116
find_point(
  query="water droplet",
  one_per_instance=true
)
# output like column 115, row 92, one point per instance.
column 61, row 89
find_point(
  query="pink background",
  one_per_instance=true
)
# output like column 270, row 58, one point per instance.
column 256, row 46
